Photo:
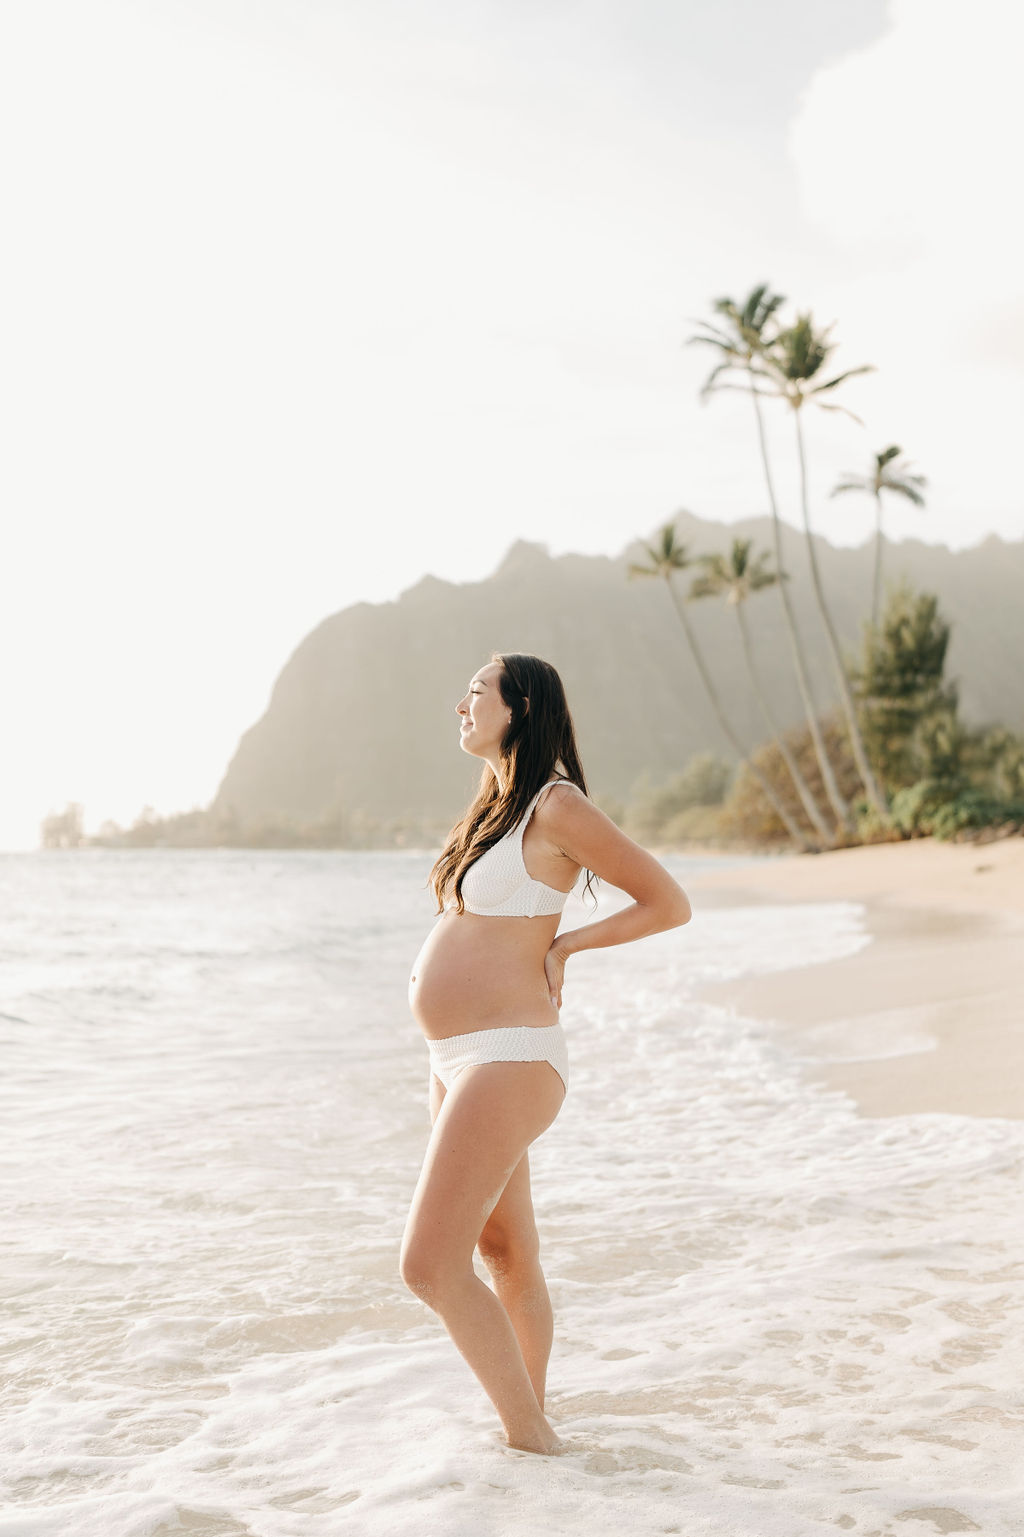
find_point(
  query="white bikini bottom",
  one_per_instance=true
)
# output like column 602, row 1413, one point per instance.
column 512, row 1043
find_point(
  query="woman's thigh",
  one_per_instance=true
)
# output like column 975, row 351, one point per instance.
column 512, row 1224
column 483, row 1126
column 510, row 1232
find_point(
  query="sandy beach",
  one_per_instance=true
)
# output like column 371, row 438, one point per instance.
column 929, row 1016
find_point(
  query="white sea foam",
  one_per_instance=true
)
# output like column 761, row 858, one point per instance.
column 773, row 1317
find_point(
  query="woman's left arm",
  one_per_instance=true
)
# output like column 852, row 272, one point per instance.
column 590, row 838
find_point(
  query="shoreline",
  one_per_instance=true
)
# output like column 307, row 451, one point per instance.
column 929, row 1016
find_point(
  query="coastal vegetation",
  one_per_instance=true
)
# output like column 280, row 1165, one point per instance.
column 213, row 828
column 894, row 760
column 741, row 337
column 666, row 560
column 941, row 778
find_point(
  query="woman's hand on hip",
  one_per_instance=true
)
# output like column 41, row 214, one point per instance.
column 554, row 970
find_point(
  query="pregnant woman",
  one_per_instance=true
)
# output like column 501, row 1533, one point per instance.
column 486, row 990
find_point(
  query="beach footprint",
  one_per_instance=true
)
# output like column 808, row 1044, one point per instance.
column 942, row 1517
column 602, row 1463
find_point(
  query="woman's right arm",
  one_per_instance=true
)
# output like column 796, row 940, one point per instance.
column 591, row 839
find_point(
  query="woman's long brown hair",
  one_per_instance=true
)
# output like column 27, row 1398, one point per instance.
column 539, row 740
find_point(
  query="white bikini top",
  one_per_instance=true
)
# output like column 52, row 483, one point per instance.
column 497, row 884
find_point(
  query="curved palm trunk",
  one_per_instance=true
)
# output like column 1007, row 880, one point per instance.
column 801, row 786
column 876, row 588
column 836, row 799
column 860, row 756
column 795, row 831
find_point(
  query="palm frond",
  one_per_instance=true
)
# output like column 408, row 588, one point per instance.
column 799, row 351
column 710, row 384
column 759, row 580
column 715, row 566
column 904, row 488
column 739, row 556
column 824, row 405
column 852, row 483
column 759, row 570
column 666, row 555
column 747, row 390
column 752, row 320
column 830, row 384
column 714, row 338
column 703, row 587
column 760, row 307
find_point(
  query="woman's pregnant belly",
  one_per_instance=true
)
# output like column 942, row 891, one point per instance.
column 477, row 973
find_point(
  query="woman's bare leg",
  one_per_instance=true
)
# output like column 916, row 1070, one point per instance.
column 488, row 1118
column 510, row 1248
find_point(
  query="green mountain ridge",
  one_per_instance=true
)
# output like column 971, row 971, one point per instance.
column 361, row 719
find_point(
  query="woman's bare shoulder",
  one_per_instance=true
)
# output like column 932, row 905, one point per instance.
column 588, row 836
column 565, row 805
column 558, row 795
column 563, row 787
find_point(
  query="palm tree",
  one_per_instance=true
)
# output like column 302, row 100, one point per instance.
column 887, row 474
column 796, row 359
column 735, row 577
column 742, row 343
column 667, row 558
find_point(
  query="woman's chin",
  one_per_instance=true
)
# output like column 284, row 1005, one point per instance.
column 474, row 749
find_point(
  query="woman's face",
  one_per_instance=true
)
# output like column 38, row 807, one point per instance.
column 484, row 714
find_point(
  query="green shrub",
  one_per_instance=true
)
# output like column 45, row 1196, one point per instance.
column 914, row 807
column 875, row 826
column 973, row 808
column 944, row 808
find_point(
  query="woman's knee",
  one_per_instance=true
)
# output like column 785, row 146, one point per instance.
column 506, row 1249
column 427, row 1271
column 417, row 1269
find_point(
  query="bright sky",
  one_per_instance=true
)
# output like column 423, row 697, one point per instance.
column 305, row 298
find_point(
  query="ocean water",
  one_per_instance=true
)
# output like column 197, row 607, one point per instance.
column 774, row 1317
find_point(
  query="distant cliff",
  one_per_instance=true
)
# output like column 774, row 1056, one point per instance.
column 361, row 722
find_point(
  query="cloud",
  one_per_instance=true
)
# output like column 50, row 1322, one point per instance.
column 912, row 142
column 906, row 158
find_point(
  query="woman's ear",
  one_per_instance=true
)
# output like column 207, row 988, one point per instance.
column 526, row 703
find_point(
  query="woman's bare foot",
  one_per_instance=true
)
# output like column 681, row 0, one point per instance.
column 543, row 1440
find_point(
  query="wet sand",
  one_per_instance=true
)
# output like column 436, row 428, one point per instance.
column 930, row 1015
